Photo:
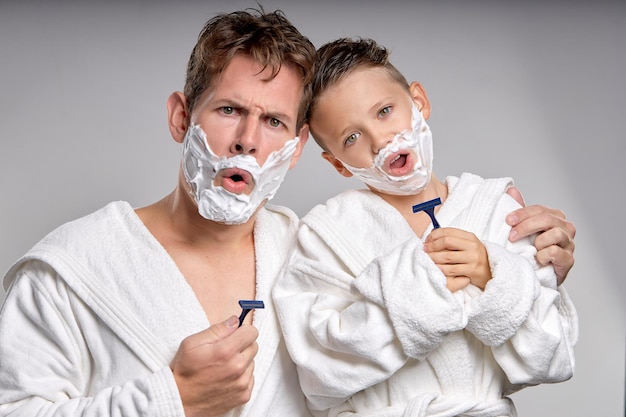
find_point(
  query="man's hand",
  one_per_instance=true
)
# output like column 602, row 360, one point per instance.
column 555, row 239
column 213, row 368
column 460, row 255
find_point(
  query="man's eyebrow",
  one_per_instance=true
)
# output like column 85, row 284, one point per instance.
column 278, row 115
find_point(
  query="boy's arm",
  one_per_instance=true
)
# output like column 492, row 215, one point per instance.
column 339, row 327
column 555, row 240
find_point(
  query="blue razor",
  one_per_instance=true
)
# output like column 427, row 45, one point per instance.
column 247, row 306
column 429, row 208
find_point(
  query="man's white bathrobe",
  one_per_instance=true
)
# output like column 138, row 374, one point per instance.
column 96, row 311
column 374, row 331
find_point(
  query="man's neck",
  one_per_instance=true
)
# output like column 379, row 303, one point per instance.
column 176, row 217
column 218, row 261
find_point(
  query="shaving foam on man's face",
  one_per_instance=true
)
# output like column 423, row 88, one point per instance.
column 417, row 141
column 202, row 169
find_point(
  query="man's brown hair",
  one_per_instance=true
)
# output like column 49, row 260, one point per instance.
column 269, row 38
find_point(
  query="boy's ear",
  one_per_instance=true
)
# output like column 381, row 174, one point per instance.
column 177, row 115
column 337, row 164
column 303, row 134
column 418, row 94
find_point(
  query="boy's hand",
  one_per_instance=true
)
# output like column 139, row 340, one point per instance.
column 555, row 239
column 213, row 368
column 460, row 255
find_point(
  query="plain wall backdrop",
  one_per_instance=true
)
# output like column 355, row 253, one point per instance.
column 534, row 90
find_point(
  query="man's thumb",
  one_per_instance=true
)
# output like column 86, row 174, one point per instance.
column 517, row 195
column 221, row 330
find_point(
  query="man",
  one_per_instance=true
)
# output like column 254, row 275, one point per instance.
column 115, row 313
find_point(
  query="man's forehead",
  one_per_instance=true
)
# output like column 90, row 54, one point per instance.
column 245, row 82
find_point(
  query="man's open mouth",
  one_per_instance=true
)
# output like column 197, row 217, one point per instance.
column 235, row 180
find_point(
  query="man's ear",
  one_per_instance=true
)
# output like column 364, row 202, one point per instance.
column 304, row 136
column 337, row 164
column 418, row 94
column 177, row 115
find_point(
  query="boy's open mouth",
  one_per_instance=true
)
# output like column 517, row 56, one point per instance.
column 399, row 164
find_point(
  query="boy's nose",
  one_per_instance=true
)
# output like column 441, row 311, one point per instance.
column 381, row 140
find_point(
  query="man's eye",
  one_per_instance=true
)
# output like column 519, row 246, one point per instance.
column 384, row 111
column 275, row 122
column 351, row 139
column 228, row 110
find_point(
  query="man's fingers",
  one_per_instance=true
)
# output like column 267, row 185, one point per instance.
column 224, row 335
column 213, row 334
column 524, row 213
column 536, row 219
column 517, row 195
column 555, row 237
column 561, row 259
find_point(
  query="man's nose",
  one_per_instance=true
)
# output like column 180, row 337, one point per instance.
column 247, row 137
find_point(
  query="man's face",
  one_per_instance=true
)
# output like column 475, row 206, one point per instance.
column 249, row 113
column 360, row 115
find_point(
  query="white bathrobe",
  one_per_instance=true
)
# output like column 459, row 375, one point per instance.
column 374, row 331
column 97, row 309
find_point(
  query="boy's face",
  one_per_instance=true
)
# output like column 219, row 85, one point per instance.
column 359, row 116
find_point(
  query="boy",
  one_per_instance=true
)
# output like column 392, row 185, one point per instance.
column 382, row 314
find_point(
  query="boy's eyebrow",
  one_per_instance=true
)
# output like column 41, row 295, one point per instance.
column 380, row 103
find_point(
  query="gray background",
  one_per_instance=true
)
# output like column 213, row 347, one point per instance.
column 532, row 90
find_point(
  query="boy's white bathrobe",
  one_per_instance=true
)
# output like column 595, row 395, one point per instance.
column 97, row 309
column 374, row 331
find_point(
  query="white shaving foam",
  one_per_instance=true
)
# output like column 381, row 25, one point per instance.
column 420, row 140
column 201, row 166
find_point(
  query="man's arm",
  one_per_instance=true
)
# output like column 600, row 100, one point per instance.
column 555, row 239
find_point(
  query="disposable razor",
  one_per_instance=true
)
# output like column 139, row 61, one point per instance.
column 429, row 208
column 247, row 306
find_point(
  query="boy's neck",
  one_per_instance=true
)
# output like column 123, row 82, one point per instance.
column 404, row 203
column 419, row 222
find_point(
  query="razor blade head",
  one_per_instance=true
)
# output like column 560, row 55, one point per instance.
column 429, row 208
column 247, row 306
column 427, row 205
column 250, row 304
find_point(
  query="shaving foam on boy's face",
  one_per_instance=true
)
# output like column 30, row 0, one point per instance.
column 205, row 173
column 417, row 141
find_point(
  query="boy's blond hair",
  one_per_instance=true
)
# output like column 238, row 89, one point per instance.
column 336, row 59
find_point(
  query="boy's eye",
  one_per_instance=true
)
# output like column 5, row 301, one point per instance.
column 385, row 111
column 351, row 139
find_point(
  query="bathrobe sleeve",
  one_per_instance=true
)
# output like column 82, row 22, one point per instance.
column 347, row 332
column 46, row 361
column 529, row 323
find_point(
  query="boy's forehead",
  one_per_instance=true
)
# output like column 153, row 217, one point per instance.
column 361, row 86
